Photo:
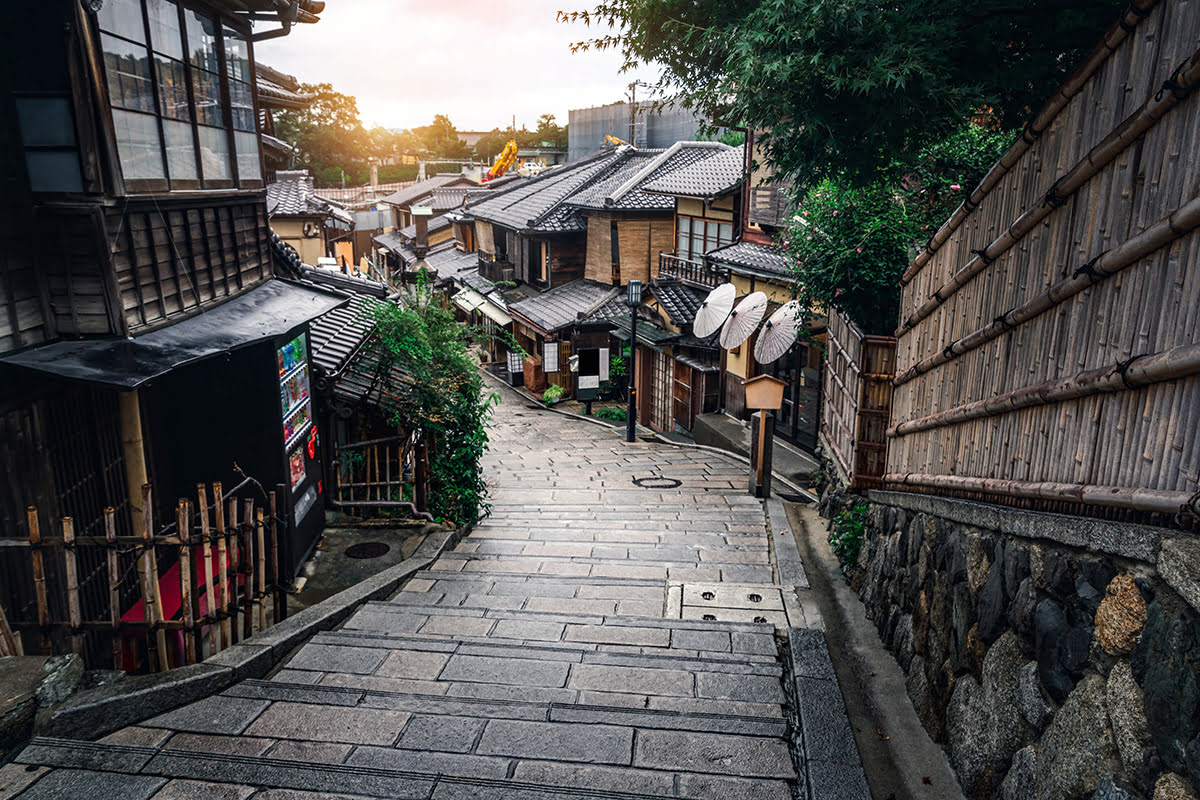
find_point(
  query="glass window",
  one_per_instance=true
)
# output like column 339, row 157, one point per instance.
column 214, row 154
column 242, row 102
column 172, row 88
column 181, row 150
column 46, row 122
column 249, row 167
column 54, row 171
column 237, row 55
column 124, row 18
column 165, row 35
column 202, row 41
column 206, row 88
column 139, row 144
column 127, row 66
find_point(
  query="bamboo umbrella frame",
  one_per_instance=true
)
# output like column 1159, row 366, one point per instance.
column 1178, row 362
column 1137, row 11
column 1177, row 88
column 1184, row 220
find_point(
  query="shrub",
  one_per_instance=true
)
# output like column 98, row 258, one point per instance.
column 615, row 413
column 552, row 395
column 847, row 534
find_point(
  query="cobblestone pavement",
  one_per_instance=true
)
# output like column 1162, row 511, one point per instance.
column 613, row 629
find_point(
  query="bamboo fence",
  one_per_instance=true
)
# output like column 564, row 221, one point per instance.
column 1048, row 355
column 218, row 560
column 856, row 399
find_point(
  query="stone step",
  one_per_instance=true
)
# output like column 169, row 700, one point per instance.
column 448, row 712
column 703, row 565
column 607, row 763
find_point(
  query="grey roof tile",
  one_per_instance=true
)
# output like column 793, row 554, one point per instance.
column 335, row 338
column 679, row 301
column 295, row 196
column 536, row 204
column 714, row 175
column 561, row 306
column 761, row 258
column 622, row 186
column 435, row 224
column 410, row 194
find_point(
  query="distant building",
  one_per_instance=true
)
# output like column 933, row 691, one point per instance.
column 651, row 127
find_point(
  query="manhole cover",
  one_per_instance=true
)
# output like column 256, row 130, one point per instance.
column 657, row 482
column 367, row 550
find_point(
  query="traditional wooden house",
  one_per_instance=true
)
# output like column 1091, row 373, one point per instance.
column 303, row 219
column 147, row 334
column 427, row 193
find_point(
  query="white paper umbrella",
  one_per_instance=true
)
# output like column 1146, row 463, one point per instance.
column 743, row 319
column 778, row 334
column 714, row 310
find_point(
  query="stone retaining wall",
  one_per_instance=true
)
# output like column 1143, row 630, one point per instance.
column 1052, row 657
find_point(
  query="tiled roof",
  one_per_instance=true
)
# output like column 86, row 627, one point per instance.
column 370, row 379
column 435, row 224
column 473, row 280
column 679, row 301
column 622, row 185
column 351, row 284
column 334, row 338
column 410, row 194
column 452, row 262
column 562, row 306
column 709, row 177
column 617, row 312
column 536, row 203
column 394, row 243
column 755, row 257
column 448, row 198
column 293, row 195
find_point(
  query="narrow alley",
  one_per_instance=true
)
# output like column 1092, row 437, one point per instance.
column 615, row 628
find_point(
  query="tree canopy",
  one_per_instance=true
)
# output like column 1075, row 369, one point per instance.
column 849, row 87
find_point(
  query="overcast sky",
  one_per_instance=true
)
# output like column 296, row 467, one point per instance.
column 477, row 62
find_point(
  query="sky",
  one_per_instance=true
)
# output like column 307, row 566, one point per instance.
column 477, row 62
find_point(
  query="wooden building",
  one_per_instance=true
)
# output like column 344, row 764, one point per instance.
column 147, row 332
column 312, row 225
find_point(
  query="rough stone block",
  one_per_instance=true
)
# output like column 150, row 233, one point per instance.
column 510, row 671
column 619, row 634
column 413, row 664
column 427, row 761
column 634, row 680
column 326, row 658
column 218, row 714
column 835, row 779
column 713, row 753
column 584, row 744
column 329, row 724
column 197, row 790
column 715, row 787
column 608, row 779
column 441, row 733
column 749, row 688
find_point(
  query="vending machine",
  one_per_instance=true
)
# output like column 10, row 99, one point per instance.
column 301, row 448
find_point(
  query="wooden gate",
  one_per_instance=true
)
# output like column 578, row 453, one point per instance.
column 390, row 472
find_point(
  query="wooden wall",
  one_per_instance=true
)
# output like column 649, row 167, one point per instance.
column 640, row 241
column 1067, row 262
column 598, row 265
column 174, row 259
column 568, row 259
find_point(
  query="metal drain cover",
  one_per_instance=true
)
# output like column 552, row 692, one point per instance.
column 367, row 550
column 657, row 482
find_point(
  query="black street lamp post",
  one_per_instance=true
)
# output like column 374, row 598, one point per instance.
column 633, row 298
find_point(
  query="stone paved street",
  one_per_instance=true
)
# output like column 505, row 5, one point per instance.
column 593, row 637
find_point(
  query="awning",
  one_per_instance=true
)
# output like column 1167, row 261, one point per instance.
column 273, row 309
column 497, row 315
column 469, row 300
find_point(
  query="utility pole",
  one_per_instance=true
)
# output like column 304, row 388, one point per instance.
column 633, row 113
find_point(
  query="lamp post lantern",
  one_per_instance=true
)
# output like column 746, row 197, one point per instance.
column 633, row 299
column 764, row 394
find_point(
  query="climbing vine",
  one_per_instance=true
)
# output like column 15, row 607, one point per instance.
column 442, row 397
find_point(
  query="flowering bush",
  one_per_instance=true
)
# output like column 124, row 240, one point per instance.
column 850, row 242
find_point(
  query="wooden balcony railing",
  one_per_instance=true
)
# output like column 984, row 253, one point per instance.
column 689, row 271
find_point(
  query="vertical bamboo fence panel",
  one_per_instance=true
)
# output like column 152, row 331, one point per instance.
column 855, row 400
column 1049, row 354
column 220, row 579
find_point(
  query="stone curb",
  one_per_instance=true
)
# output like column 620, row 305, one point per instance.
column 657, row 437
column 828, row 761
column 99, row 711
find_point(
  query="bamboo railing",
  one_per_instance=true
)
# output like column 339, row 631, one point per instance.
column 1049, row 354
column 221, row 574
column 855, row 400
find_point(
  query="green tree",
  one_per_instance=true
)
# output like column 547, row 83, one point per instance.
column 440, row 139
column 329, row 133
column 847, row 87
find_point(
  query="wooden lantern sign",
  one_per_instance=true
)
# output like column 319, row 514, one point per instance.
column 764, row 393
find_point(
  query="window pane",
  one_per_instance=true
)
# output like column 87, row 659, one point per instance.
column 139, row 145
column 202, row 41
column 123, row 17
column 237, row 55
column 172, row 88
column 726, row 233
column 681, row 246
column 249, row 167
column 127, row 67
column 181, row 150
column 165, row 35
column 207, row 89
column 242, row 102
column 712, row 236
column 46, row 122
column 685, row 226
column 698, row 242
column 214, row 154
column 54, row 171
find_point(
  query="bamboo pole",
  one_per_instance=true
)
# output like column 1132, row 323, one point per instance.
column 1178, row 362
column 203, row 570
column 1178, row 224
column 10, row 643
column 280, row 597
column 1152, row 500
column 247, row 535
column 221, row 606
column 39, row 579
column 183, row 520
column 71, row 567
column 261, row 583
column 133, row 450
column 151, row 599
column 114, row 586
column 1133, row 15
column 235, row 567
